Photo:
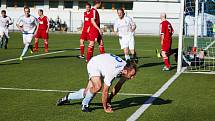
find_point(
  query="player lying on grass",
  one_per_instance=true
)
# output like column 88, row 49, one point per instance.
column 104, row 67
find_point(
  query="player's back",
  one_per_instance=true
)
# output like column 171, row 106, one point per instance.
column 95, row 15
column 167, row 30
column 108, row 63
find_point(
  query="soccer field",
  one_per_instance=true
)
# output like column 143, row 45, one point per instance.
column 30, row 88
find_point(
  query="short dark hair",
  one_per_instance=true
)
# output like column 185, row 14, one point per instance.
column 130, row 65
column 88, row 4
column 97, row 1
column 26, row 7
column 3, row 11
column 121, row 9
column 40, row 10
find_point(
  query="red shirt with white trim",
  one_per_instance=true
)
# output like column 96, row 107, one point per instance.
column 43, row 23
column 94, row 14
column 87, row 21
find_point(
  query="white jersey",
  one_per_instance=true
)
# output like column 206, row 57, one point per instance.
column 108, row 66
column 124, row 26
column 5, row 22
column 29, row 24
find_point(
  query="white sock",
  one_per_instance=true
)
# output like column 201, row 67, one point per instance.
column 77, row 95
column 127, row 57
column 25, row 49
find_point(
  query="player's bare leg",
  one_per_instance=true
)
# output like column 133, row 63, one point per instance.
column 134, row 55
column 90, row 50
column 46, row 45
column 36, row 44
column 81, row 56
column 126, row 52
column 166, row 61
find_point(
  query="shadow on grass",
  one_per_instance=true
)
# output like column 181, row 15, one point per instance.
column 128, row 102
column 58, row 57
column 150, row 65
column 6, row 64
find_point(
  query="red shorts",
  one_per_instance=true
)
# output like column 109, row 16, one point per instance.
column 166, row 46
column 84, row 36
column 95, row 36
column 41, row 33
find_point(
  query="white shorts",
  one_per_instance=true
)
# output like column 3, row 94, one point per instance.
column 92, row 69
column 4, row 32
column 127, row 41
column 27, row 38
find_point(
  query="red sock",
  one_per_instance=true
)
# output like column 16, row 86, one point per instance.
column 82, row 49
column 166, row 62
column 46, row 45
column 36, row 44
column 89, row 53
column 101, row 49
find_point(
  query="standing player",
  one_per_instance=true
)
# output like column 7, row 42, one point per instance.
column 125, row 28
column 106, row 67
column 166, row 32
column 5, row 21
column 27, row 24
column 85, row 30
column 42, row 32
column 95, row 33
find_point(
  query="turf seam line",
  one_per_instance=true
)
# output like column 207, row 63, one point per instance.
column 31, row 56
column 46, row 90
column 149, row 102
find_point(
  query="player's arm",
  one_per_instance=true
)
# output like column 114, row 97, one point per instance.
column 10, row 21
column 106, row 107
column 115, row 28
column 47, row 25
column 18, row 25
column 95, row 25
column 161, row 34
column 37, row 25
column 116, row 88
column 133, row 25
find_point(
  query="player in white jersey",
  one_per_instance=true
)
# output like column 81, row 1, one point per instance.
column 28, row 25
column 124, row 26
column 5, row 21
column 104, row 67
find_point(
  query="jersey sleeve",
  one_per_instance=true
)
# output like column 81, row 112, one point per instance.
column 115, row 26
column 131, row 22
column 108, row 79
column 19, row 21
column 93, row 14
column 10, row 21
column 162, row 28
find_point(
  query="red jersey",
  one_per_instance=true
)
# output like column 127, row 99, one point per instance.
column 87, row 21
column 43, row 22
column 166, row 30
column 94, row 14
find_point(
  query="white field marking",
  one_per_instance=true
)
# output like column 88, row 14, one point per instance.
column 46, row 90
column 149, row 102
column 117, row 49
column 209, row 72
column 209, row 45
column 31, row 56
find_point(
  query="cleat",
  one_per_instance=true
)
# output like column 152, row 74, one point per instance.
column 165, row 69
column 85, row 108
column 46, row 51
column 157, row 53
column 35, row 50
column 5, row 47
column 20, row 58
column 31, row 52
column 81, row 57
column 62, row 101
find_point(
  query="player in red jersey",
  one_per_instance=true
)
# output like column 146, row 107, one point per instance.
column 85, row 30
column 42, row 32
column 95, row 33
column 166, row 32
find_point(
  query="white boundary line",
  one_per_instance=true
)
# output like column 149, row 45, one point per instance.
column 46, row 90
column 148, row 102
column 31, row 56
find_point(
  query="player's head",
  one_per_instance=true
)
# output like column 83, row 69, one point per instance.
column 97, row 3
column 121, row 13
column 88, row 7
column 40, row 12
column 129, row 70
column 27, row 11
column 3, row 13
column 163, row 16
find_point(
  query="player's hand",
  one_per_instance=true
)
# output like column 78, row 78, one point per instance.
column 47, row 31
column 108, row 110
column 101, row 31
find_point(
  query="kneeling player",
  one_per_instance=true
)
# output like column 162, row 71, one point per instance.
column 104, row 67
column 42, row 32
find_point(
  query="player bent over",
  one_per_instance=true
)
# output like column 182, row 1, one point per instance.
column 27, row 24
column 42, row 32
column 125, row 27
column 166, row 32
column 5, row 21
column 85, row 30
column 95, row 33
column 104, row 67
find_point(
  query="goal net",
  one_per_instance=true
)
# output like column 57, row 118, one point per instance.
column 198, row 37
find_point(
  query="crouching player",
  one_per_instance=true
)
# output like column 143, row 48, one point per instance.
column 42, row 32
column 166, row 32
column 104, row 67
column 27, row 24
